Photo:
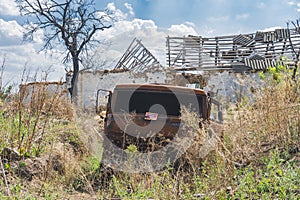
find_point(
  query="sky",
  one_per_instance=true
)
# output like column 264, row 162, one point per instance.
column 148, row 20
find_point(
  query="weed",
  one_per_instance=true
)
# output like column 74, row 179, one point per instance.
column 254, row 156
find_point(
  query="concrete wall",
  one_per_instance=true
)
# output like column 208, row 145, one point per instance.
column 228, row 86
column 32, row 91
column 88, row 82
column 232, row 87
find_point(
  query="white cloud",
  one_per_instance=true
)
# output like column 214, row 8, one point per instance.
column 18, row 54
column 153, row 38
column 125, row 31
column 38, row 35
column 111, row 6
column 10, row 33
column 183, row 29
column 129, row 8
column 126, row 27
column 242, row 16
column 298, row 5
column 19, row 57
column 291, row 3
column 207, row 31
column 8, row 8
column 120, row 36
column 191, row 24
column 118, row 14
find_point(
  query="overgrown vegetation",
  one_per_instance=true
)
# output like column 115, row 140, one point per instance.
column 256, row 157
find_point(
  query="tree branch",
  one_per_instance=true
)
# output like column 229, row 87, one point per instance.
column 73, row 22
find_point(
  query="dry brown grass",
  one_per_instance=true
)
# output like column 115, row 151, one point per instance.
column 68, row 165
column 272, row 121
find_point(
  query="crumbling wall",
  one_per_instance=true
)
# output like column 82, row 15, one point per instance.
column 230, row 87
column 88, row 82
column 227, row 86
column 30, row 91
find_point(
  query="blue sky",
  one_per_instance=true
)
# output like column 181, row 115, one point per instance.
column 149, row 20
column 214, row 16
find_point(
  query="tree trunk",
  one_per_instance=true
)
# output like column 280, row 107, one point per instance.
column 75, row 60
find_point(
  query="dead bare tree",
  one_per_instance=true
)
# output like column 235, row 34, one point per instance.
column 72, row 23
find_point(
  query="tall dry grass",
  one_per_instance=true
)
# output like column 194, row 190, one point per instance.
column 251, row 131
column 26, row 116
column 271, row 121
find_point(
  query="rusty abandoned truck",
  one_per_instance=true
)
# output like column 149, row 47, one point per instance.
column 141, row 114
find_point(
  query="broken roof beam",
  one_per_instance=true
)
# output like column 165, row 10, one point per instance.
column 136, row 58
column 184, row 51
column 229, row 50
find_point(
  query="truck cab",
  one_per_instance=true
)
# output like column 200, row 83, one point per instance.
column 148, row 115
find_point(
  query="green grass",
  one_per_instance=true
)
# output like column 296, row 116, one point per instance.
column 257, row 156
column 277, row 179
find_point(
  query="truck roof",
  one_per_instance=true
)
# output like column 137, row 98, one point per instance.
column 159, row 87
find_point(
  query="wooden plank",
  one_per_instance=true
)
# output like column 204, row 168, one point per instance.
column 198, row 51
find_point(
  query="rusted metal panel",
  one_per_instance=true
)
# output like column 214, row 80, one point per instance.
column 158, row 88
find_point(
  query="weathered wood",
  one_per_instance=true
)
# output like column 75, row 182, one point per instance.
column 136, row 57
column 200, row 52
